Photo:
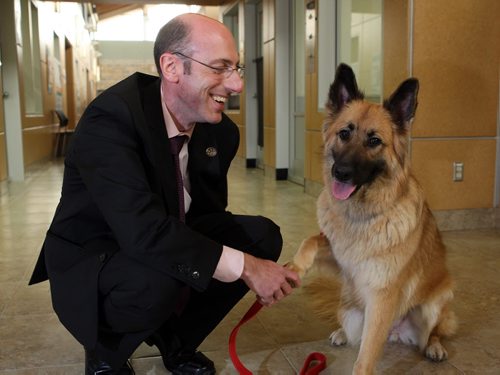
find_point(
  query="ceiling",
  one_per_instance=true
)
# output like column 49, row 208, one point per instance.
column 109, row 8
column 140, row 2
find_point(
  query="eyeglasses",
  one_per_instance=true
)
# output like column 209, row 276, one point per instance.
column 226, row 71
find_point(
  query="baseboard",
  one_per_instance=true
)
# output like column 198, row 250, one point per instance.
column 474, row 218
column 281, row 174
column 251, row 163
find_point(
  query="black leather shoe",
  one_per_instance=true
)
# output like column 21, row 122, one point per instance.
column 181, row 362
column 96, row 366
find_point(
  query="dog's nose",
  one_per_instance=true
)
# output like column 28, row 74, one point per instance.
column 342, row 173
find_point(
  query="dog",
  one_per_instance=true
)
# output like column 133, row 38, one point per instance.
column 377, row 231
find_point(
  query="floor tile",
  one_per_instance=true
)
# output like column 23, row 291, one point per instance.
column 278, row 339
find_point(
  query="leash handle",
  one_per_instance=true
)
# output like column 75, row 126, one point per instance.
column 309, row 369
column 314, row 363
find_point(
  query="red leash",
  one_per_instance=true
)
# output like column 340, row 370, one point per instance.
column 309, row 367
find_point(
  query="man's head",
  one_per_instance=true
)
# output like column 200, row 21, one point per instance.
column 197, row 59
column 173, row 36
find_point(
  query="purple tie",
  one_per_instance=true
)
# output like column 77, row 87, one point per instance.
column 176, row 144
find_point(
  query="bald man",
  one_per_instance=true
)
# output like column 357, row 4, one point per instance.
column 140, row 249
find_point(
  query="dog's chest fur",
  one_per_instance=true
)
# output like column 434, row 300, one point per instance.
column 369, row 248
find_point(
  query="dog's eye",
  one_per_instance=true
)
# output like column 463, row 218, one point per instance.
column 374, row 142
column 344, row 134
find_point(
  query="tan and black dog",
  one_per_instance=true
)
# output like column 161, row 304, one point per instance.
column 377, row 230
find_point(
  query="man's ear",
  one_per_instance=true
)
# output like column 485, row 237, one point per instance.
column 169, row 67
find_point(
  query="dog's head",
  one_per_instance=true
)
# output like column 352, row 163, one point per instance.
column 364, row 141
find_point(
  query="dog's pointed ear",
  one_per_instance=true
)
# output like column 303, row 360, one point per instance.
column 402, row 104
column 343, row 89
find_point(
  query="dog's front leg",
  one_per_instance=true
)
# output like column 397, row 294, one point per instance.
column 305, row 255
column 379, row 315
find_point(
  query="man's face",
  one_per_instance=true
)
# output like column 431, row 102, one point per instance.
column 203, row 91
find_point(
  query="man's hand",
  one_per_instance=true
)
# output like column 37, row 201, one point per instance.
column 268, row 280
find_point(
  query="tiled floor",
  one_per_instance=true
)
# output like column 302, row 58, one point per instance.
column 32, row 341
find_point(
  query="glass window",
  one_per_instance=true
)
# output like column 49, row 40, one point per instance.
column 31, row 64
column 360, row 43
column 326, row 49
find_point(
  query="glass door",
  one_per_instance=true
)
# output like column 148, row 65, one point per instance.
column 297, row 94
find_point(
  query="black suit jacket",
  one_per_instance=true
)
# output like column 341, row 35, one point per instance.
column 119, row 194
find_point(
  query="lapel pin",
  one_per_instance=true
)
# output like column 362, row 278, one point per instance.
column 211, row 152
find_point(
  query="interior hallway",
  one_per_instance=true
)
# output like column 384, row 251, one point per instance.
column 32, row 341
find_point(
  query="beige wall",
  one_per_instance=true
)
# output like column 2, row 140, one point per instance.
column 119, row 59
column 456, row 55
column 112, row 71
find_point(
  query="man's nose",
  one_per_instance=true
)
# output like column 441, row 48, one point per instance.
column 234, row 83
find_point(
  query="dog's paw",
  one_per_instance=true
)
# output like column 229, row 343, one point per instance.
column 404, row 332
column 293, row 267
column 338, row 337
column 436, row 352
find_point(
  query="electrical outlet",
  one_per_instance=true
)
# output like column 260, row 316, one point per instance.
column 458, row 171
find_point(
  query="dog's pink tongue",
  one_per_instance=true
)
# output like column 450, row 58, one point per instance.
column 341, row 190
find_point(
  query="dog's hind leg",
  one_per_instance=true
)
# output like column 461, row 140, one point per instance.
column 446, row 327
column 304, row 257
column 433, row 322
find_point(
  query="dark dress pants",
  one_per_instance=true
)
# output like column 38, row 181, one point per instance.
column 136, row 301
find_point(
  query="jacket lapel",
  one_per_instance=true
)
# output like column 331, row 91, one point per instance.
column 203, row 151
column 160, row 148
column 203, row 155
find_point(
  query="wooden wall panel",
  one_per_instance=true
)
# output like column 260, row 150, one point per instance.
column 395, row 44
column 269, row 85
column 456, row 58
column 38, row 144
column 3, row 151
column 314, row 162
column 3, row 157
column 270, row 147
column 432, row 163
column 242, row 149
column 314, row 118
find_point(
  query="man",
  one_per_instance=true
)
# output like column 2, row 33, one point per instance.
column 124, row 264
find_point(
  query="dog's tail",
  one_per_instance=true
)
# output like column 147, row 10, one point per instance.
column 323, row 293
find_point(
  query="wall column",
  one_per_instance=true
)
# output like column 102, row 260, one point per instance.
column 12, row 105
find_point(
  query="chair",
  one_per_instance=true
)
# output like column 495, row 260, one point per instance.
column 63, row 134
